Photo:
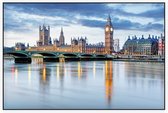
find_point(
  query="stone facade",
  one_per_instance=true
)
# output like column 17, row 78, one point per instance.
column 161, row 46
column 44, row 36
column 116, row 45
column 109, row 36
column 141, row 46
column 61, row 38
column 78, row 45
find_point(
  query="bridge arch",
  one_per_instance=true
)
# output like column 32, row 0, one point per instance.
column 101, row 56
column 46, row 54
column 87, row 55
column 69, row 54
column 18, row 54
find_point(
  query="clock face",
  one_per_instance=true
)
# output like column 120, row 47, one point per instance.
column 111, row 29
column 107, row 28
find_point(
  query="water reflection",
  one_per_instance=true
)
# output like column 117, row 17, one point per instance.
column 63, row 85
column 57, row 71
column 29, row 74
column 94, row 69
column 108, row 80
column 16, row 75
column 61, row 74
column 14, row 71
column 45, row 74
column 61, row 70
column 142, row 75
column 79, row 70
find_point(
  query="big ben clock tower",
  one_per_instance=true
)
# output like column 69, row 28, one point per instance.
column 108, row 36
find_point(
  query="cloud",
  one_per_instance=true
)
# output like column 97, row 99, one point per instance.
column 126, row 25
column 154, row 11
column 120, row 24
column 158, row 27
column 92, row 23
column 26, row 18
column 66, row 14
column 68, row 10
column 21, row 21
column 156, row 14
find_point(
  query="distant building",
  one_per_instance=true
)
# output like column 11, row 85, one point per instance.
column 44, row 36
column 61, row 38
column 20, row 46
column 79, row 44
column 8, row 49
column 61, row 41
column 161, row 46
column 116, row 45
column 141, row 46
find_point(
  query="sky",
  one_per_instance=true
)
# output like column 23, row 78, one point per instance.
column 22, row 21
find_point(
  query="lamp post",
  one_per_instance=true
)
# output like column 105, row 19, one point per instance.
column 94, row 52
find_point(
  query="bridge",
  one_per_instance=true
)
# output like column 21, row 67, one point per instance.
column 48, row 56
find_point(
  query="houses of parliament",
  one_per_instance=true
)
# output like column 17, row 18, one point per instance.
column 78, row 45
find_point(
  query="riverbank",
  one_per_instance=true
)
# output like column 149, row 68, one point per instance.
column 139, row 60
column 115, row 59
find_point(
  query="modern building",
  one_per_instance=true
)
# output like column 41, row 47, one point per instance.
column 116, row 45
column 78, row 44
column 141, row 46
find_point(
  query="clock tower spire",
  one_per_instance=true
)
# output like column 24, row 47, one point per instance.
column 108, row 36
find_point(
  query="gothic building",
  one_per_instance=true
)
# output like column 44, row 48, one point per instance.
column 79, row 44
column 61, row 38
column 136, row 46
column 44, row 36
column 19, row 46
column 61, row 41
column 109, row 36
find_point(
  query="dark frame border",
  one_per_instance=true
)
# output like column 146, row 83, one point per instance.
column 79, row 3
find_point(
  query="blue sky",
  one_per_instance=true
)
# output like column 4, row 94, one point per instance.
column 21, row 21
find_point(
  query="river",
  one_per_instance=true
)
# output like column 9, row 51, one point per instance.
column 83, row 85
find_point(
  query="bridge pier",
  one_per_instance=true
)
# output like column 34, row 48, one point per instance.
column 23, row 60
column 50, row 59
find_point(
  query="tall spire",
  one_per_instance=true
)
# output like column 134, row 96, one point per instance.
column 109, row 36
column 44, row 22
column 61, row 31
column 61, row 38
column 109, row 20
